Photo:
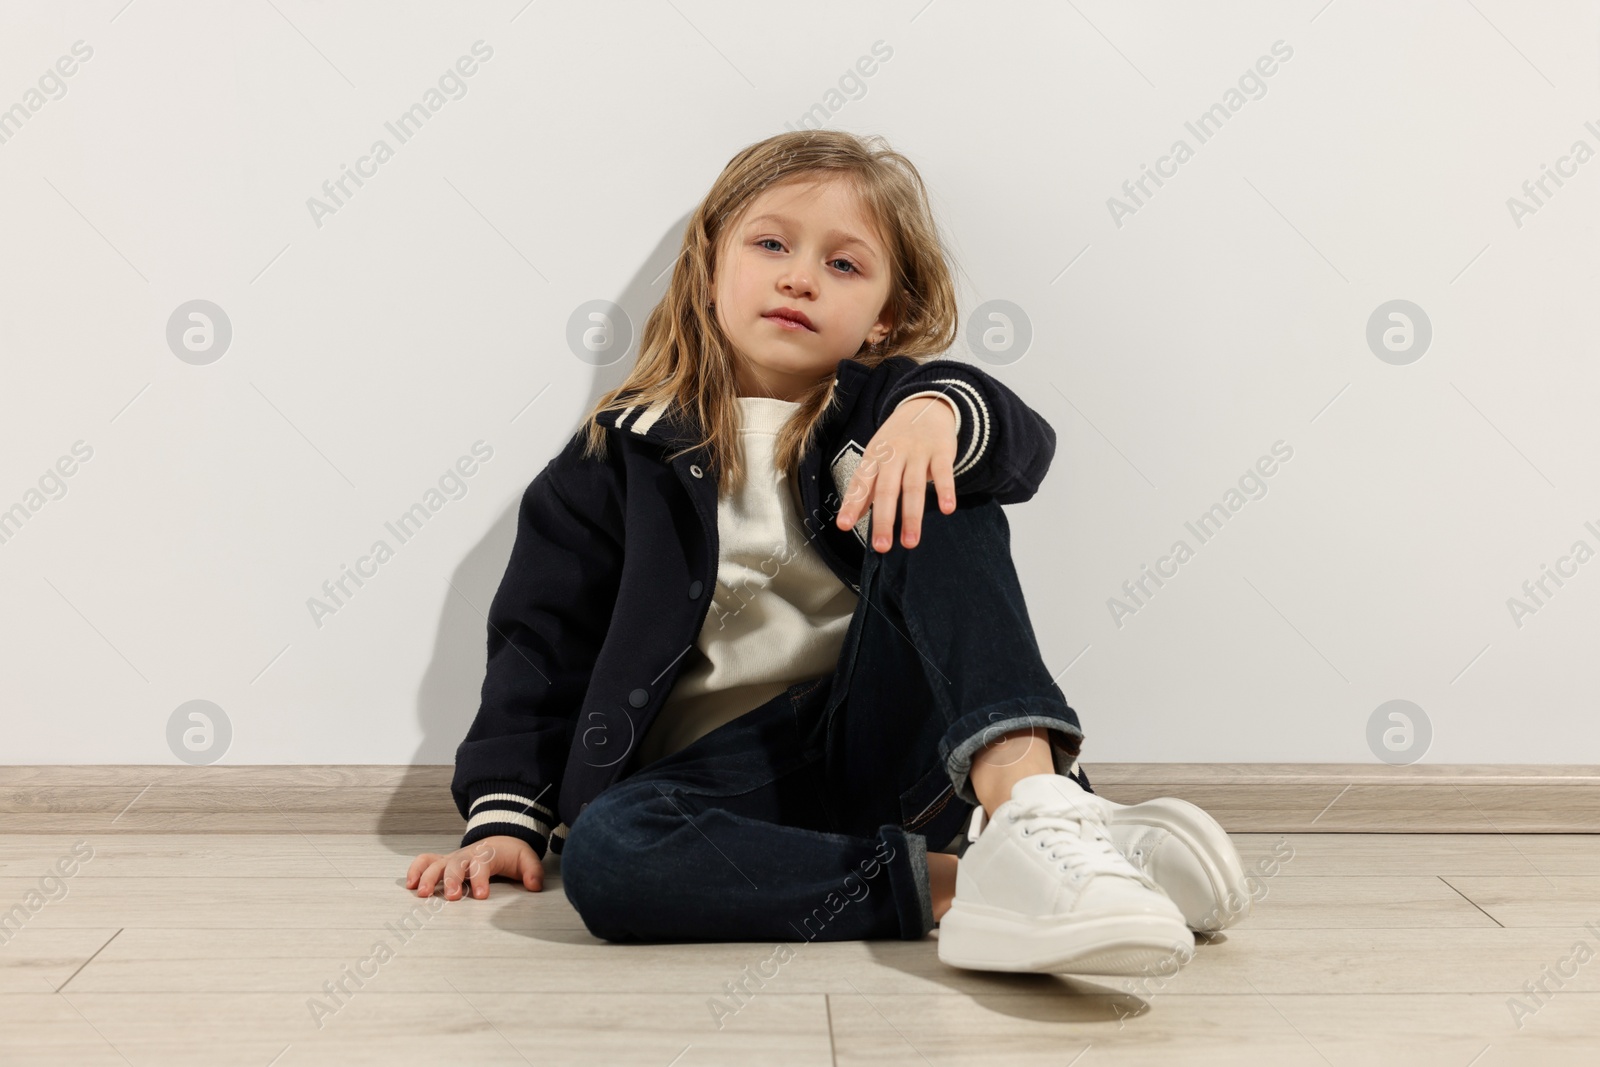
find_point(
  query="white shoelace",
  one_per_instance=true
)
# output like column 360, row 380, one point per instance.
column 1079, row 831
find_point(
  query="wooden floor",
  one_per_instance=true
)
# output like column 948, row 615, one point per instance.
column 213, row 950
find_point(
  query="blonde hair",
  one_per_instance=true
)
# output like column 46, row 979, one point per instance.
column 684, row 357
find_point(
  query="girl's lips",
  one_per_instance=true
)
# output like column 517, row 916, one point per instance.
column 787, row 324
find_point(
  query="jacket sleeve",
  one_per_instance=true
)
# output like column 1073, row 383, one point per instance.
column 1003, row 447
column 546, row 625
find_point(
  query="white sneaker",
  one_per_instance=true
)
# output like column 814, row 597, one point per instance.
column 1188, row 854
column 1042, row 888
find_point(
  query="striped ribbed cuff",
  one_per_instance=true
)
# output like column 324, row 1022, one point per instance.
column 972, row 421
column 504, row 809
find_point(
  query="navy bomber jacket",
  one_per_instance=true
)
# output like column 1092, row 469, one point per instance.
column 611, row 573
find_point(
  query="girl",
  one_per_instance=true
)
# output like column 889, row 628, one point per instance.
column 741, row 673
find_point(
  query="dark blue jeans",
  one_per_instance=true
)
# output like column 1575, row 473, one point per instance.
column 810, row 816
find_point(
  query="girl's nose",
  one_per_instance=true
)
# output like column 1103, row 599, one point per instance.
column 798, row 282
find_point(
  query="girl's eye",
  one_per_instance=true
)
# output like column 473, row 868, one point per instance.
column 773, row 240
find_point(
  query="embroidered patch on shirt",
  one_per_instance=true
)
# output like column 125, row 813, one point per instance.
column 844, row 468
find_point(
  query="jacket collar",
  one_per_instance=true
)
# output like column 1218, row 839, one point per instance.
column 667, row 423
column 662, row 422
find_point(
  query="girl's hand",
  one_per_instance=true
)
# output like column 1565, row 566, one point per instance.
column 915, row 445
column 509, row 856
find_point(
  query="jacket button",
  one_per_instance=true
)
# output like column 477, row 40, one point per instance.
column 694, row 590
column 694, row 469
column 639, row 698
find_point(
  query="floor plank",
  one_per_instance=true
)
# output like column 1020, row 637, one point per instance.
column 219, row 949
column 1535, row 900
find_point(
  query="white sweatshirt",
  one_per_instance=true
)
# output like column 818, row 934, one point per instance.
column 778, row 614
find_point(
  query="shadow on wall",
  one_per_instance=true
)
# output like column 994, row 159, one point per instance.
column 451, row 687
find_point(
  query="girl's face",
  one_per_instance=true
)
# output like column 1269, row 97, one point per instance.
column 805, row 247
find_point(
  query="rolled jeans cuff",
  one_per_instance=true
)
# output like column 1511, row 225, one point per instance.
column 976, row 730
column 908, row 881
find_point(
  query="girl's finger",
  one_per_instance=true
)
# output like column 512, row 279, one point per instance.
column 860, row 490
column 480, row 878
column 430, row 877
column 532, row 873
column 944, row 480
column 915, row 486
column 453, row 876
column 418, row 865
column 885, row 500
column 864, row 483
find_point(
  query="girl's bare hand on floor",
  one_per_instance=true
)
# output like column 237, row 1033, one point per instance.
column 915, row 445
column 508, row 856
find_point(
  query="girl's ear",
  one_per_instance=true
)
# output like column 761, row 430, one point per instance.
column 883, row 328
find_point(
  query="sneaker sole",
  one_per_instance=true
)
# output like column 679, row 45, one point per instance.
column 994, row 939
column 1205, row 837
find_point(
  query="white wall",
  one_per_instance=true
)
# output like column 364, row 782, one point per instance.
column 1171, row 347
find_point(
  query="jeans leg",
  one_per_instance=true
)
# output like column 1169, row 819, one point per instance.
column 727, row 840
column 812, row 817
column 940, row 660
